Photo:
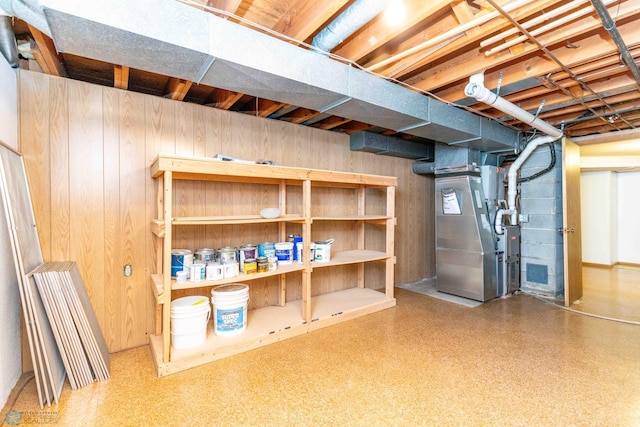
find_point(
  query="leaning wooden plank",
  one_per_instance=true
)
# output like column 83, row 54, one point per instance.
column 80, row 322
column 55, row 374
column 33, row 346
column 85, row 376
column 67, row 341
column 12, row 185
column 92, row 320
column 57, row 333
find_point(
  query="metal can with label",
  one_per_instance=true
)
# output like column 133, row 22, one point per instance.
column 250, row 266
column 263, row 264
column 228, row 253
column 205, row 255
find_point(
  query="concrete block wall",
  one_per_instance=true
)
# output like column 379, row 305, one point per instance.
column 542, row 257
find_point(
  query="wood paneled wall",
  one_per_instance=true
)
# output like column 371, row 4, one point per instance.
column 87, row 150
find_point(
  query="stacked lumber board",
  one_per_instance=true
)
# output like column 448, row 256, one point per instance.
column 50, row 368
column 82, row 346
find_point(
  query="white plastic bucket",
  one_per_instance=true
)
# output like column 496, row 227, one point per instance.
column 323, row 251
column 189, row 319
column 230, row 309
column 284, row 252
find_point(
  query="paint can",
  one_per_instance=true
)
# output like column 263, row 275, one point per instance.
column 284, row 252
column 250, row 266
column 267, row 249
column 228, row 253
column 263, row 264
column 206, row 255
column 273, row 263
column 247, row 252
column 297, row 242
column 230, row 309
column 181, row 260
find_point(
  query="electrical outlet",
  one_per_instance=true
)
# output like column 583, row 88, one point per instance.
column 524, row 218
column 127, row 270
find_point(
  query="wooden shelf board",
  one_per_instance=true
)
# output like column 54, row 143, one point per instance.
column 273, row 324
column 351, row 257
column 351, row 218
column 239, row 219
column 207, row 168
column 157, row 283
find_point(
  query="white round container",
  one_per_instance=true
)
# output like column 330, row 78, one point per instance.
column 284, row 252
column 323, row 251
column 230, row 309
column 189, row 319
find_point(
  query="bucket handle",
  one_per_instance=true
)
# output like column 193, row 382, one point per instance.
column 326, row 242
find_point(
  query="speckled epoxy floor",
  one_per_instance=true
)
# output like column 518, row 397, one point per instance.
column 516, row 361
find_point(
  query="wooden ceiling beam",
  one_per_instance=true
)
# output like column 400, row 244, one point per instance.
column 300, row 115
column 464, row 14
column 589, row 49
column 222, row 99
column 121, row 77
column 177, row 89
column 474, row 61
column 331, row 123
column 50, row 60
column 377, row 32
column 451, row 45
column 230, row 6
column 266, row 107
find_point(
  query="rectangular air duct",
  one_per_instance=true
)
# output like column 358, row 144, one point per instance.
column 170, row 38
column 390, row 146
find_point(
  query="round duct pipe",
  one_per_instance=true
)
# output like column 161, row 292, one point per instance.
column 348, row 22
column 8, row 44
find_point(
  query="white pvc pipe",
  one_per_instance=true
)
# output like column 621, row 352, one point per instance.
column 545, row 28
column 475, row 88
column 450, row 34
column 532, row 22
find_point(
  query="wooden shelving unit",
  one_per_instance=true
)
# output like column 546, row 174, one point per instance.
column 288, row 318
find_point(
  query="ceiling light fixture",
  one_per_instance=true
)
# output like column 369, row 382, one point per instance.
column 395, row 14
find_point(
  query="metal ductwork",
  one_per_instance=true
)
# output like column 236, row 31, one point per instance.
column 29, row 11
column 390, row 146
column 348, row 22
column 150, row 35
column 8, row 45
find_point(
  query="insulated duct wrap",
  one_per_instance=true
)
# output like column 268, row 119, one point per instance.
column 348, row 22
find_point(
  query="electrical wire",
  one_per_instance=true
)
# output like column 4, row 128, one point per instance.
column 552, row 163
